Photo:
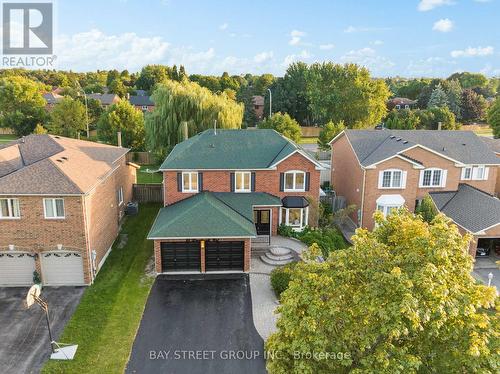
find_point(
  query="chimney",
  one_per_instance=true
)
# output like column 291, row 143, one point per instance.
column 439, row 125
column 119, row 134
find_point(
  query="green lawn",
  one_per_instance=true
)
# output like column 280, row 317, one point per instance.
column 149, row 178
column 485, row 131
column 108, row 316
column 7, row 138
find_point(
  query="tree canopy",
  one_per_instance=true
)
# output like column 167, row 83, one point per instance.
column 401, row 300
column 494, row 117
column 123, row 117
column 328, row 132
column 22, row 106
column 68, row 118
column 284, row 124
column 187, row 102
column 346, row 93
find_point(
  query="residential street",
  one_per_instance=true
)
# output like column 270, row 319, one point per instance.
column 24, row 340
column 198, row 326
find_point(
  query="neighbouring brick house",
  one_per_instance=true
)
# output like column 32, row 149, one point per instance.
column 51, row 99
column 105, row 99
column 494, row 146
column 386, row 169
column 142, row 102
column 224, row 189
column 401, row 103
column 258, row 107
column 61, row 202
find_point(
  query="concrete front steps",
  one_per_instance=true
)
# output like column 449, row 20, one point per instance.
column 277, row 256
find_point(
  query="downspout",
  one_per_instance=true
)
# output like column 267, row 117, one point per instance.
column 87, row 235
column 362, row 198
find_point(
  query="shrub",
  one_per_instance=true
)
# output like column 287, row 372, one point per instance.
column 285, row 231
column 427, row 210
column 280, row 278
column 328, row 239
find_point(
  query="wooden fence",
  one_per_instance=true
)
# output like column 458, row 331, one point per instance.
column 141, row 158
column 148, row 193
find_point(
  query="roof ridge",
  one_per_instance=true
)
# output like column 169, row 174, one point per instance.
column 64, row 174
column 477, row 189
column 377, row 147
column 230, row 207
column 279, row 152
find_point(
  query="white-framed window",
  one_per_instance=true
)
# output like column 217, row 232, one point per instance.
column 144, row 107
column 119, row 195
column 295, row 180
column 407, row 106
column 389, row 203
column 477, row 173
column 432, row 177
column 9, row 208
column 296, row 218
column 398, row 106
column 53, row 208
column 242, row 181
column 189, row 181
column 392, row 178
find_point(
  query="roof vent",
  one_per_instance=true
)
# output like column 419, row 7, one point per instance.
column 398, row 139
column 211, row 145
column 444, row 149
column 64, row 158
column 59, row 160
column 392, row 136
column 23, row 140
column 405, row 142
column 464, row 144
column 57, row 137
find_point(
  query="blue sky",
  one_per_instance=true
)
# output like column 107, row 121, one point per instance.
column 406, row 38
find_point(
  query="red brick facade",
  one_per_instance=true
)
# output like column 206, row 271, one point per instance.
column 91, row 221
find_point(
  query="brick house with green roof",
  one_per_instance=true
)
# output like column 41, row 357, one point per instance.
column 223, row 190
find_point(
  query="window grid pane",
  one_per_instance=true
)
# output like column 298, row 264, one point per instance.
column 299, row 181
column 59, row 207
column 15, row 208
column 396, row 179
column 289, row 181
column 436, row 178
column 427, row 178
column 4, row 208
column 386, row 179
column 49, row 208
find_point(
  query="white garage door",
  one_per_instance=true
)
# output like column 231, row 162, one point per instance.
column 62, row 268
column 16, row 268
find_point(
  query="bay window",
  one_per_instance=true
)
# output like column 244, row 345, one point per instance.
column 389, row 203
column 296, row 218
column 295, row 181
column 9, row 208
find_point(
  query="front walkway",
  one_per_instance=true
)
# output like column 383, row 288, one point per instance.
column 264, row 301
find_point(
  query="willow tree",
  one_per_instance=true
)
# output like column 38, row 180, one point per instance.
column 179, row 104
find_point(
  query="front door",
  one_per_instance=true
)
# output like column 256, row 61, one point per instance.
column 262, row 219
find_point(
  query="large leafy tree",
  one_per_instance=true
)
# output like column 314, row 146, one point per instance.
column 284, row 124
column 125, row 118
column 22, row 106
column 186, row 102
column 346, row 93
column 469, row 80
column 454, row 95
column 473, row 106
column 401, row 300
column 494, row 117
column 68, row 118
column 151, row 75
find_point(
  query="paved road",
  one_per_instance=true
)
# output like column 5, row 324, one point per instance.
column 198, row 326
column 24, row 340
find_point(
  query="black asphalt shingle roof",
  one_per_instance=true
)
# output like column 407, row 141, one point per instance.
column 373, row 146
column 141, row 100
column 469, row 207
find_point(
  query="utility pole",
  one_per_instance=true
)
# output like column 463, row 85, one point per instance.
column 270, row 103
column 86, row 109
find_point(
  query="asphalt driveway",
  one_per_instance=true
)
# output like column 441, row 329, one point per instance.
column 24, row 340
column 198, row 325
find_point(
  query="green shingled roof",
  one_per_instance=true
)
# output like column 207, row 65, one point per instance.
column 210, row 215
column 230, row 149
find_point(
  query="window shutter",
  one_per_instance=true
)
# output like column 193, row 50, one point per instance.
column 380, row 178
column 200, row 182
column 252, row 182
column 308, row 181
column 403, row 179
column 282, row 182
column 443, row 178
column 231, row 181
column 486, row 173
column 421, row 178
column 179, row 182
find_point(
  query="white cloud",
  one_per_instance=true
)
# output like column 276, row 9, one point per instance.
column 351, row 29
column 263, row 56
column 377, row 42
column 326, row 47
column 296, row 37
column 443, row 25
column 223, row 26
column 426, row 5
column 473, row 52
column 369, row 58
column 430, row 67
column 303, row 55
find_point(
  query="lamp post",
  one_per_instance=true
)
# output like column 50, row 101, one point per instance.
column 270, row 103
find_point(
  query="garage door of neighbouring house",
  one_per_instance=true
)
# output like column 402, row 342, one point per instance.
column 62, row 268
column 224, row 255
column 180, row 256
column 16, row 268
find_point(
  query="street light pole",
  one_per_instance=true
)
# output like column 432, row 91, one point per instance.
column 270, row 103
column 86, row 109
